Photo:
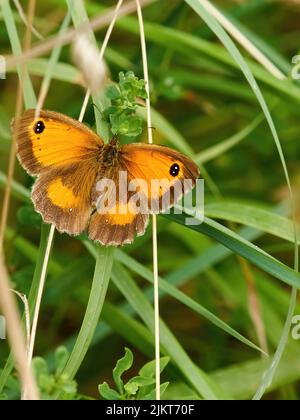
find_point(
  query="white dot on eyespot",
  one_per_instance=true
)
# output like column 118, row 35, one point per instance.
column 70, row 210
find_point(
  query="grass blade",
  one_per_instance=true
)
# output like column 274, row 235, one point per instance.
column 135, row 297
column 243, row 248
column 164, row 286
column 93, row 310
column 254, row 216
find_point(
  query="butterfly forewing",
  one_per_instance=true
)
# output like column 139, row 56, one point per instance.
column 63, row 153
column 52, row 141
column 166, row 173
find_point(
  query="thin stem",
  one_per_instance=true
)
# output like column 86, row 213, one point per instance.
column 241, row 38
column 254, row 304
column 15, row 334
column 154, row 220
column 101, row 55
column 96, row 24
column 27, row 315
column 40, row 294
column 25, row 20
column 53, row 60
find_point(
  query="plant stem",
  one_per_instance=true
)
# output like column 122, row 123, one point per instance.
column 15, row 334
column 97, row 295
column 40, row 293
column 154, row 220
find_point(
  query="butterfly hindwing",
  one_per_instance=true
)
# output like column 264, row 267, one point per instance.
column 117, row 229
column 64, row 197
column 119, row 222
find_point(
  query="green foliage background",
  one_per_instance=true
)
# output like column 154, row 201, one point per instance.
column 204, row 106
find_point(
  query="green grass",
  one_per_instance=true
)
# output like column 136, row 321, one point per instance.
column 212, row 101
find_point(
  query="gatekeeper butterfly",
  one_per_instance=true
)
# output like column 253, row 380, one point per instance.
column 69, row 160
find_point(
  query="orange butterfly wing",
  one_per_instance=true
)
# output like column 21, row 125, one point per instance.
column 119, row 224
column 53, row 140
column 64, row 197
column 144, row 162
column 63, row 153
column 153, row 162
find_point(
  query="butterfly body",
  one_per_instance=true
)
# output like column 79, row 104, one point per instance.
column 70, row 161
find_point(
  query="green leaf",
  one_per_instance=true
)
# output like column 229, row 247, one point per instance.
column 107, row 393
column 112, row 93
column 61, row 358
column 148, row 370
column 242, row 247
column 152, row 394
column 137, row 382
column 122, row 366
column 68, row 387
column 40, row 366
column 46, row 383
column 251, row 215
column 121, row 113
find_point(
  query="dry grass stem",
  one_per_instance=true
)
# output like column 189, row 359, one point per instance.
column 15, row 335
column 95, row 24
column 154, row 220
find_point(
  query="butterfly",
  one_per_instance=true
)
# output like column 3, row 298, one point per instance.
column 70, row 160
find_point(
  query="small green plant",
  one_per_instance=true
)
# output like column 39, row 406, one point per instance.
column 140, row 387
column 52, row 383
column 121, row 114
